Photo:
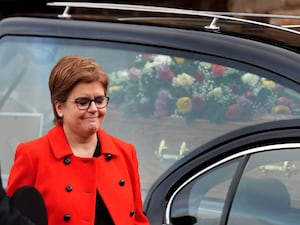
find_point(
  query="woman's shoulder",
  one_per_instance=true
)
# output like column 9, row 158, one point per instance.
column 33, row 145
column 36, row 141
column 44, row 138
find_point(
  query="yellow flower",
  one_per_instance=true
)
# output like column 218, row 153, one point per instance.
column 268, row 84
column 114, row 88
column 281, row 109
column 179, row 60
column 184, row 104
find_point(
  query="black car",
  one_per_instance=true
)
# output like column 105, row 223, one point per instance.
column 211, row 101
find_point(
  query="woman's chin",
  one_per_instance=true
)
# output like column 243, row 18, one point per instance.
column 92, row 128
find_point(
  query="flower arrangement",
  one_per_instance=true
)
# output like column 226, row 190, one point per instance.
column 160, row 86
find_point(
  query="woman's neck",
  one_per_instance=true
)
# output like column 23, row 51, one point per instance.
column 82, row 147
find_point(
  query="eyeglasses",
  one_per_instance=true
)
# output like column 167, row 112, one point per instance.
column 85, row 103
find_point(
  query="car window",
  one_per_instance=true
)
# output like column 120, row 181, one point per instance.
column 202, row 200
column 269, row 190
column 267, row 193
column 167, row 102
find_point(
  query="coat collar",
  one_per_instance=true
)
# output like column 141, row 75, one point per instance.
column 61, row 148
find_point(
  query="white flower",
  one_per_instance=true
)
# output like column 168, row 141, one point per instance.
column 183, row 80
column 216, row 92
column 162, row 59
column 119, row 76
column 205, row 65
column 250, row 79
column 148, row 67
column 157, row 60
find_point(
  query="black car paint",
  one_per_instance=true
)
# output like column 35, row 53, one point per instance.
column 235, row 49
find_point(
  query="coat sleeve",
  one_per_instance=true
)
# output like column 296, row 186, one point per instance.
column 22, row 172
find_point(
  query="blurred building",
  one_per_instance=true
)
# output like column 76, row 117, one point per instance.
column 287, row 7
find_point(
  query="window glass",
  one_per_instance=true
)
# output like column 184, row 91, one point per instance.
column 202, row 200
column 269, row 190
column 165, row 102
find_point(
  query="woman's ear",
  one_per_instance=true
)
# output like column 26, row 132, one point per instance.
column 58, row 108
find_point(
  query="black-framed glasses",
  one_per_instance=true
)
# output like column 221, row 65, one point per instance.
column 85, row 103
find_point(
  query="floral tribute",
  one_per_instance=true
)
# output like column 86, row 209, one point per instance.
column 161, row 86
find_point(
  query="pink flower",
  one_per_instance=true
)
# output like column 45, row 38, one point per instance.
column 147, row 56
column 197, row 102
column 250, row 95
column 164, row 72
column 161, row 104
column 284, row 101
column 233, row 112
column 160, row 109
column 199, row 77
column 218, row 70
column 245, row 106
column 134, row 73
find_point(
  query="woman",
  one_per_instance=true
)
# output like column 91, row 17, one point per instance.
column 85, row 175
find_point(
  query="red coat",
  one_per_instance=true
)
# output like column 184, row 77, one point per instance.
column 68, row 183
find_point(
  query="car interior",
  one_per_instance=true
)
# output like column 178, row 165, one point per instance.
column 262, row 197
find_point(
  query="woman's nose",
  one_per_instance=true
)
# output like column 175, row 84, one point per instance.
column 92, row 107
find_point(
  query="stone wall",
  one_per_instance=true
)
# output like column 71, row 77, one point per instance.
column 285, row 7
column 263, row 6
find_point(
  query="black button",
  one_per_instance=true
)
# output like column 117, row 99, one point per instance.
column 67, row 161
column 131, row 213
column 67, row 217
column 108, row 157
column 122, row 182
column 69, row 188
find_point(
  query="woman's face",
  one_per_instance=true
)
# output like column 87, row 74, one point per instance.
column 80, row 122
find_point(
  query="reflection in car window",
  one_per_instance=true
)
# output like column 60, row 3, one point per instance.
column 165, row 102
column 202, row 200
column 268, row 191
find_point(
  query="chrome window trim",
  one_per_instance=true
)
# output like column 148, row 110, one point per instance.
column 234, row 156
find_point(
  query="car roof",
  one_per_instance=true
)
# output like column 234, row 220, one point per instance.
column 247, row 25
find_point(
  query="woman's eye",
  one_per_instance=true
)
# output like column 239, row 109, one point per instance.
column 99, row 101
column 83, row 101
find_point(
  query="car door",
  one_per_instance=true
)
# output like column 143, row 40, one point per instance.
column 248, row 177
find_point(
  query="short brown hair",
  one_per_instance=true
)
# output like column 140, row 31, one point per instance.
column 68, row 72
